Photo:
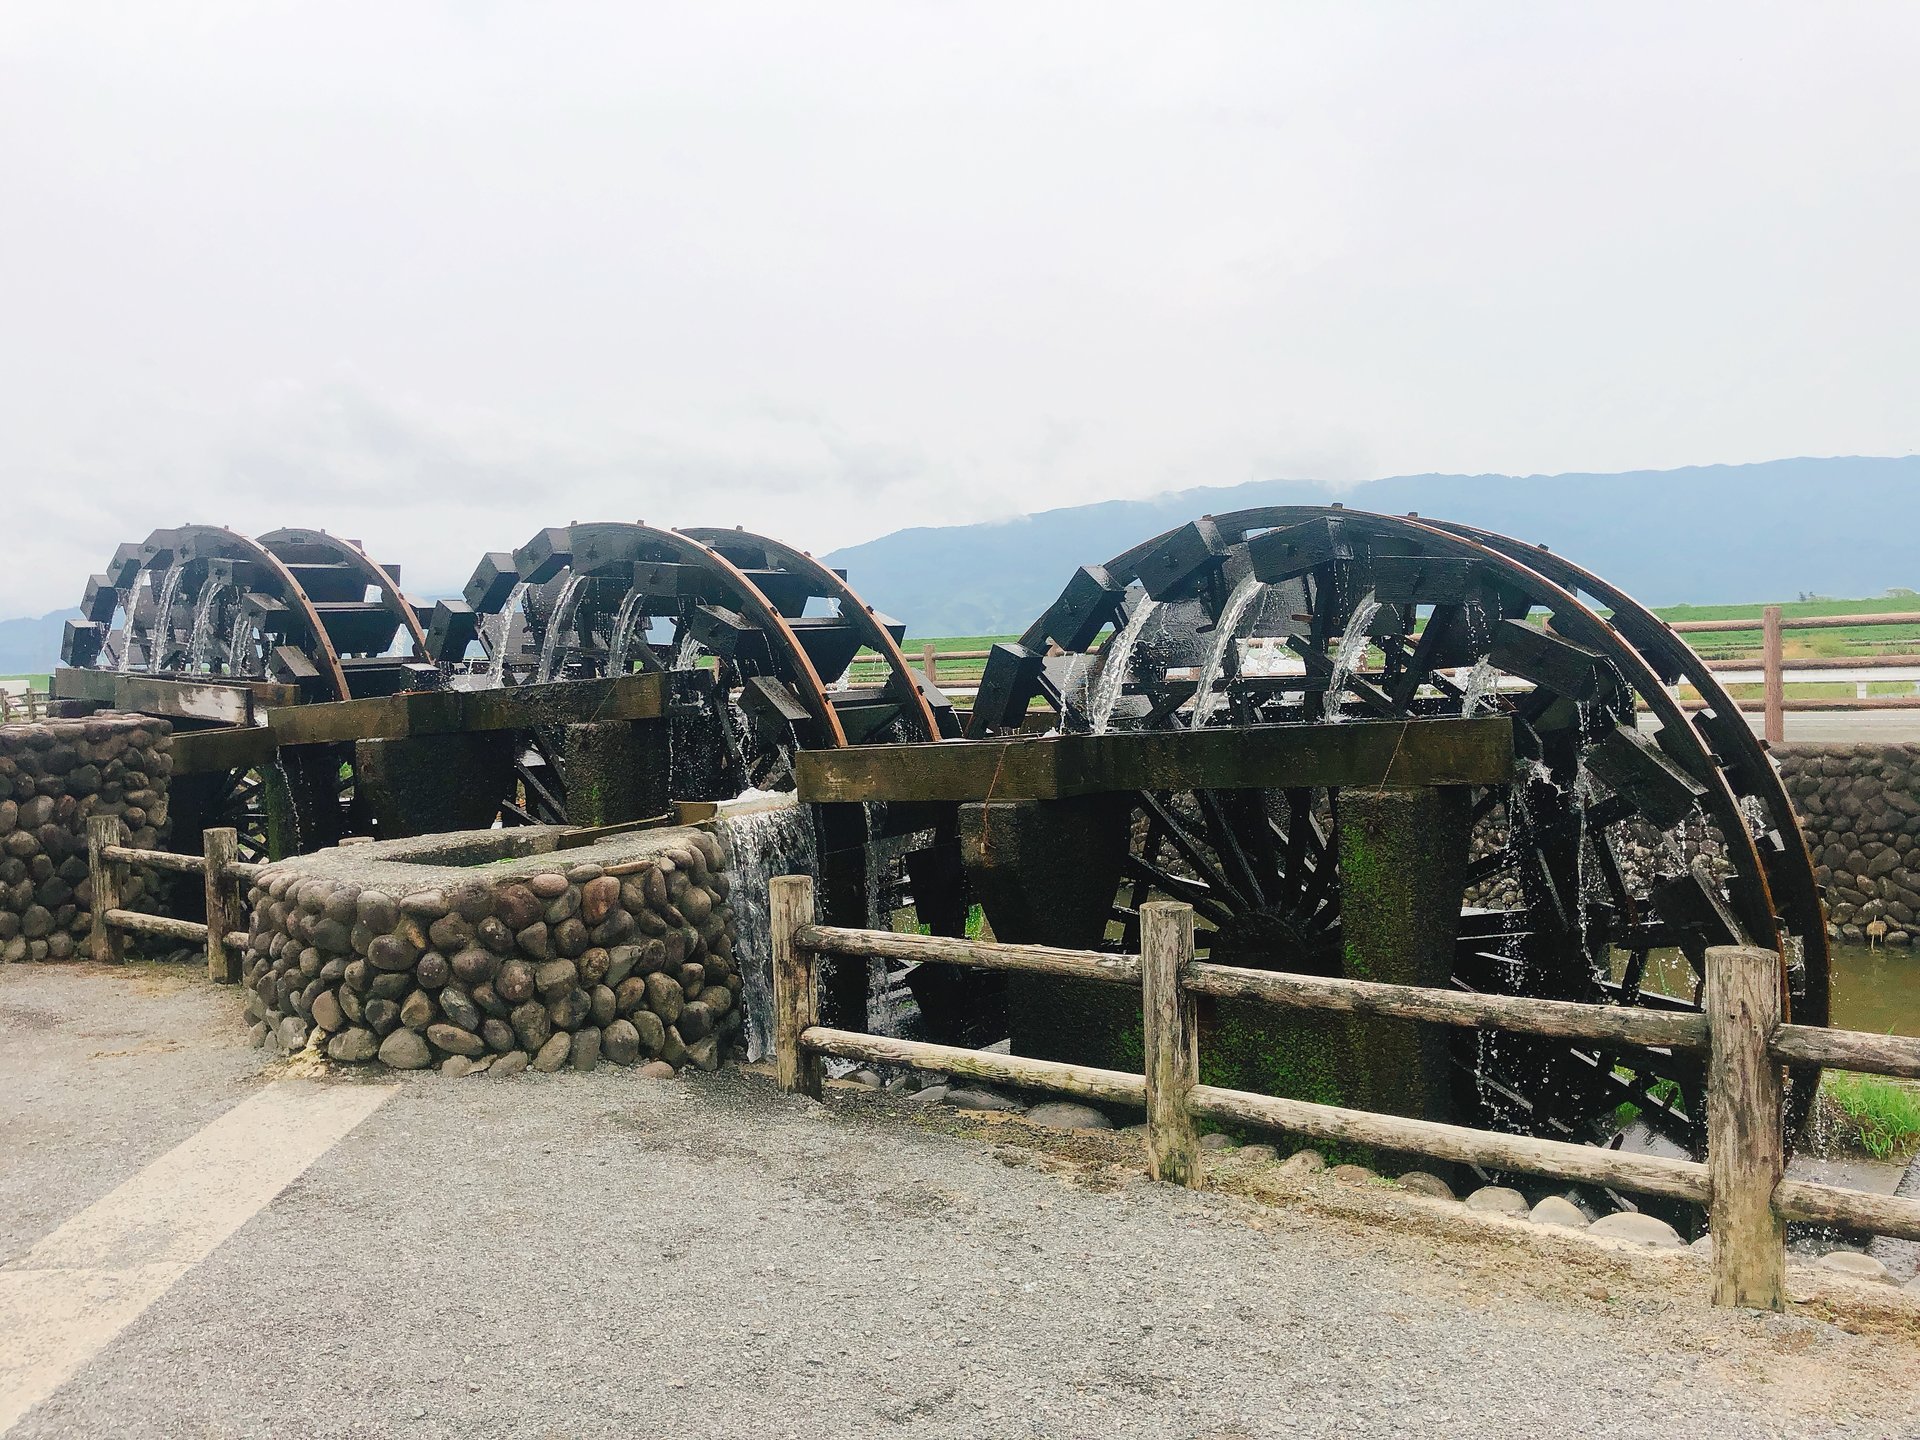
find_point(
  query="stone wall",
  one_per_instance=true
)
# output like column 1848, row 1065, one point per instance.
column 1859, row 806
column 54, row 775
column 493, row 950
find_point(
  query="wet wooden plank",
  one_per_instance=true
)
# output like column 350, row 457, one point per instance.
column 227, row 702
column 206, row 752
column 448, row 712
column 1386, row 753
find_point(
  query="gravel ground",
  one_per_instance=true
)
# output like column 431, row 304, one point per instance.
column 600, row 1255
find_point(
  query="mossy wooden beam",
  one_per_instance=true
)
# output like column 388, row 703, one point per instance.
column 1390, row 754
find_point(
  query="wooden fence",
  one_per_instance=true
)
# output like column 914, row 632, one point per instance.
column 109, row 859
column 26, row 705
column 1742, row 1184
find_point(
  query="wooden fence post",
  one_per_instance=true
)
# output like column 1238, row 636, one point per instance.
column 105, row 944
column 1171, row 1041
column 225, row 909
column 1746, row 1151
column 930, row 663
column 796, row 994
column 1772, row 651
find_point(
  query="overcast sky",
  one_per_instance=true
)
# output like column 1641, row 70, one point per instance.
column 437, row 275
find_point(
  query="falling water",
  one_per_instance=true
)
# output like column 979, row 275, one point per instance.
column 504, row 633
column 1351, row 650
column 552, row 649
column 200, row 637
column 161, row 639
column 1223, row 637
column 625, row 624
column 686, row 655
column 239, row 645
column 1116, row 659
column 777, row 840
column 1479, row 681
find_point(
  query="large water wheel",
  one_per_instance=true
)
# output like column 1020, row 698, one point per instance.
column 300, row 608
column 1627, row 836
column 778, row 631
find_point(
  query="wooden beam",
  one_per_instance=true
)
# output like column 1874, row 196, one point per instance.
column 1170, row 1039
column 979, row 954
column 796, row 990
column 1849, row 1209
column 226, row 905
column 1113, row 1086
column 183, row 930
column 105, row 832
column 1746, row 1150
column 1596, row 1024
column 155, row 859
column 1848, row 1050
column 449, row 712
column 226, row 702
column 232, row 747
column 1650, row 1174
column 1380, row 753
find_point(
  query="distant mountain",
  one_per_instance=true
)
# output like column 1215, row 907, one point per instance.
column 1705, row 534
column 32, row 647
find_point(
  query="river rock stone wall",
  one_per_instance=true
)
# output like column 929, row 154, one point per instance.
column 1859, row 807
column 54, row 776
column 622, row 952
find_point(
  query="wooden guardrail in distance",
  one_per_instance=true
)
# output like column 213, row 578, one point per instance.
column 1743, row 1183
column 109, row 859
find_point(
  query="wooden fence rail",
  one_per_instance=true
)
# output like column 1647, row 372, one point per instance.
column 26, row 705
column 1742, row 1183
column 223, row 935
column 1771, row 670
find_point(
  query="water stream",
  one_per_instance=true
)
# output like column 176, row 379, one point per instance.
column 1348, row 654
column 553, row 644
column 1223, row 638
column 776, row 839
column 1115, row 660
column 161, row 632
column 625, row 625
column 200, row 637
column 239, row 645
column 505, row 635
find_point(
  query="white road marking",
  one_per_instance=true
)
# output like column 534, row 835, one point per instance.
column 65, row 1300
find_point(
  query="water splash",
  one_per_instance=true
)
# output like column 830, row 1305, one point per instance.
column 1351, row 650
column 1223, row 639
column 1116, row 658
column 552, row 646
column 764, row 843
column 1479, row 683
column 686, row 654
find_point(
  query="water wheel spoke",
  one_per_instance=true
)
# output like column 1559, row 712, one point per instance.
column 1191, row 850
column 1178, row 887
column 1227, row 845
column 1426, row 652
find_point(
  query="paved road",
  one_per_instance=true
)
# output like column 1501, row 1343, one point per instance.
column 1837, row 727
column 600, row 1255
